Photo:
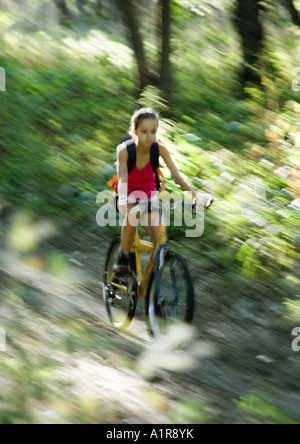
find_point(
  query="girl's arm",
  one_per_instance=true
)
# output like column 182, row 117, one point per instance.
column 122, row 168
column 185, row 186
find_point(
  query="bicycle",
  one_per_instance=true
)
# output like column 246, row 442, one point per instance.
column 166, row 285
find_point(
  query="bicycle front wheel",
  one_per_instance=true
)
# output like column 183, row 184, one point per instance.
column 120, row 300
column 170, row 299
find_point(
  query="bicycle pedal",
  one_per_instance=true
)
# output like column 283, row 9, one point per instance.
column 109, row 294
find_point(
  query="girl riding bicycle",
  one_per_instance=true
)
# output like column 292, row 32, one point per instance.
column 137, row 180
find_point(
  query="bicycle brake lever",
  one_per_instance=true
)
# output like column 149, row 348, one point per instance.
column 209, row 203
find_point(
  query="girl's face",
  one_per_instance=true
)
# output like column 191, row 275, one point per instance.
column 146, row 132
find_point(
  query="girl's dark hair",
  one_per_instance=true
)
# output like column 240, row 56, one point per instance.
column 140, row 115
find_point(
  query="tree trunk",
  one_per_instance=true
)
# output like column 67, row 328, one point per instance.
column 80, row 5
column 64, row 11
column 165, row 65
column 129, row 10
column 293, row 11
column 251, row 32
column 99, row 8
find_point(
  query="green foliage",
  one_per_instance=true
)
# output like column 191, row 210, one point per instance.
column 70, row 94
column 151, row 97
column 189, row 411
column 292, row 309
column 34, row 388
column 260, row 409
column 62, row 118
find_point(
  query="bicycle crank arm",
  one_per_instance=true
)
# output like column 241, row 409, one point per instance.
column 119, row 287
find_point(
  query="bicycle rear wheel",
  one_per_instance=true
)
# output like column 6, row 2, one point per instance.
column 120, row 302
column 170, row 299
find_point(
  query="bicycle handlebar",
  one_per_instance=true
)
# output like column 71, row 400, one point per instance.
column 143, row 206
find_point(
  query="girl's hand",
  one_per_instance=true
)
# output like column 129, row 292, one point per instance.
column 206, row 205
column 209, row 203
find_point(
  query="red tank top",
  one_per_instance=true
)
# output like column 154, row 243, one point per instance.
column 141, row 182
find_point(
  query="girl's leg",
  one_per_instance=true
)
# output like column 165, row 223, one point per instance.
column 128, row 233
column 154, row 219
column 127, row 238
column 128, row 230
column 151, row 224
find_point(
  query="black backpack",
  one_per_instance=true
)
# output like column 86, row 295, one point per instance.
column 154, row 158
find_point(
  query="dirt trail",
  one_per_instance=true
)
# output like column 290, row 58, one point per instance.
column 225, row 359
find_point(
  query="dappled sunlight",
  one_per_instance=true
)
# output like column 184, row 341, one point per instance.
column 70, row 370
column 96, row 46
column 178, row 351
column 24, row 235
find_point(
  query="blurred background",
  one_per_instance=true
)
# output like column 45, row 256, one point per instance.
column 225, row 77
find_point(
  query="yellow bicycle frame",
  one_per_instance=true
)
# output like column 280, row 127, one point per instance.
column 141, row 246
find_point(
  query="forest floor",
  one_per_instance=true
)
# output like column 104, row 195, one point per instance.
column 65, row 363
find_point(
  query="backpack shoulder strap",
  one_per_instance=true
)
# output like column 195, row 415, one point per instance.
column 154, row 156
column 130, row 145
